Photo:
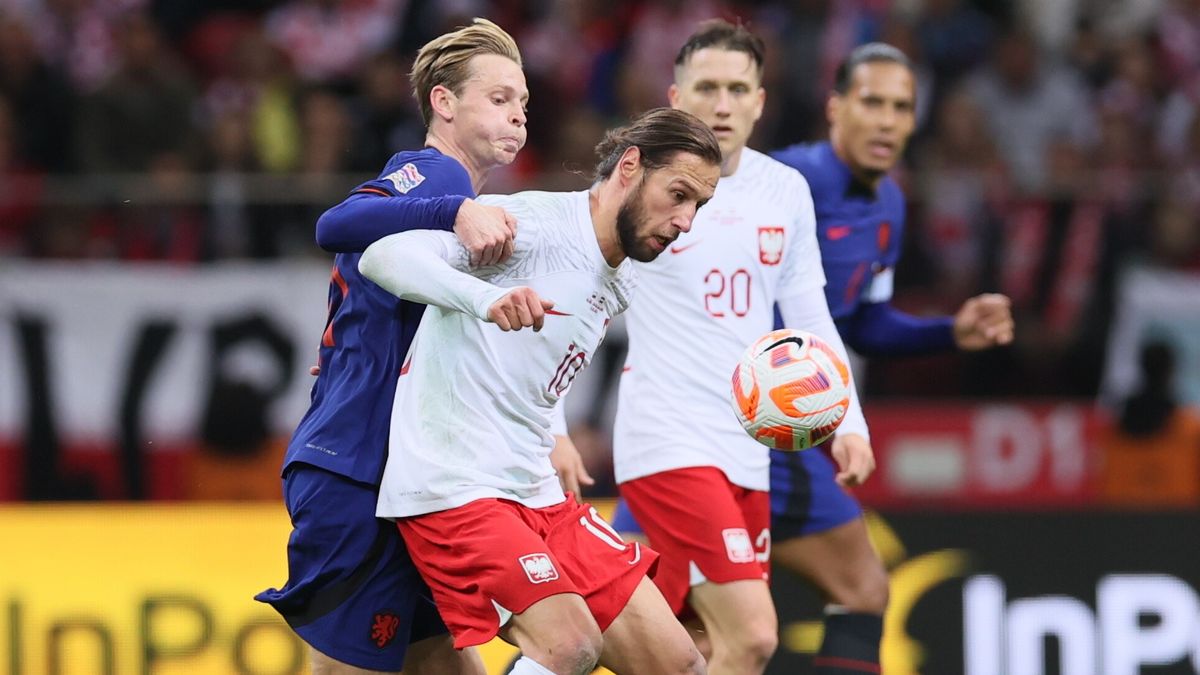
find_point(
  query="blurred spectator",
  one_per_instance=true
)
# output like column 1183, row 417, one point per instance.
column 1028, row 104
column 162, row 220
column 82, row 37
column 144, row 111
column 258, row 84
column 1179, row 40
column 41, row 101
column 20, row 190
column 238, row 225
column 329, row 41
column 960, row 189
column 1152, row 455
column 955, row 37
column 561, row 80
column 659, row 27
column 384, row 114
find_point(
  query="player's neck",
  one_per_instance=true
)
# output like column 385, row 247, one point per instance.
column 868, row 178
column 449, row 148
column 729, row 165
column 604, row 221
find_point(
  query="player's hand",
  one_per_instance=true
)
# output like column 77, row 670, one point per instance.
column 984, row 321
column 519, row 308
column 854, row 457
column 314, row 370
column 486, row 231
column 567, row 461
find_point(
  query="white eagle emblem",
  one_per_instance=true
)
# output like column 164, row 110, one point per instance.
column 737, row 545
column 770, row 245
column 538, row 567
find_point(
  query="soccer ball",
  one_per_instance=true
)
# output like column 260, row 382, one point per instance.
column 791, row 390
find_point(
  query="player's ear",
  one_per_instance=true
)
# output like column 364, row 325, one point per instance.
column 443, row 101
column 673, row 95
column 833, row 105
column 630, row 164
column 762, row 102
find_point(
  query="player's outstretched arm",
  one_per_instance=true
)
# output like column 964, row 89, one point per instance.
column 416, row 266
column 363, row 218
column 851, row 450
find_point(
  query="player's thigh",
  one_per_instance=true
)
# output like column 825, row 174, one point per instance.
column 353, row 594
column 646, row 637
column 737, row 612
column 842, row 563
column 437, row 656
column 721, row 538
column 606, row 569
column 485, row 562
column 805, row 495
column 552, row 627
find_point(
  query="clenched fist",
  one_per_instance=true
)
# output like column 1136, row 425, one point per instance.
column 519, row 308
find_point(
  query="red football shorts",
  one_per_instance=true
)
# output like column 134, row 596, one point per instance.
column 494, row 556
column 705, row 528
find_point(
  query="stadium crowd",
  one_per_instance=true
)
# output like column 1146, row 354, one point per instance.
column 1057, row 141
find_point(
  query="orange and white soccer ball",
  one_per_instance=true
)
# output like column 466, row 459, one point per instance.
column 791, row 390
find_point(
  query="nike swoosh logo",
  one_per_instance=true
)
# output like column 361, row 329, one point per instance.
column 838, row 232
column 681, row 249
column 555, row 312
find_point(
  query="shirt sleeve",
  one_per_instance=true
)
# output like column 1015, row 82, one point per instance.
column 365, row 217
column 429, row 267
column 802, row 264
column 808, row 311
column 558, row 420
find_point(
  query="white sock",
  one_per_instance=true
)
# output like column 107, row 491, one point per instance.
column 527, row 666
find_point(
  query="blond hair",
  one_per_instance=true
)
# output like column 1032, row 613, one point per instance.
column 445, row 60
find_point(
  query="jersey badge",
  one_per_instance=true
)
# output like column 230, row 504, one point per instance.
column 538, row 567
column 597, row 303
column 770, row 245
column 405, row 178
column 383, row 628
column 737, row 545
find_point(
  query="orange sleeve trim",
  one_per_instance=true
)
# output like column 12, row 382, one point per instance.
column 374, row 191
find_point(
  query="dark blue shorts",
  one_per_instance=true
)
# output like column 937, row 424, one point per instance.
column 805, row 497
column 352, row 591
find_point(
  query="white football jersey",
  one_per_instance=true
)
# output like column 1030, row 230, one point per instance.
column 700, row 304
column 473, row 407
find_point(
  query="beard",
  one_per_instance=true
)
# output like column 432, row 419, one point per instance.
column 630, row 217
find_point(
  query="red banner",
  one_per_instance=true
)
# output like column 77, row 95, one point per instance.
column 1011, row 455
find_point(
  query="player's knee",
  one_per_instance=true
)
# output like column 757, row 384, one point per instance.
column 753, row 646
column 761, row 643
column 690, row 662
column 572, row 651
column 867, row 592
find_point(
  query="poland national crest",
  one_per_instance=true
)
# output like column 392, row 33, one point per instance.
column 770, row 245
column 538, row 567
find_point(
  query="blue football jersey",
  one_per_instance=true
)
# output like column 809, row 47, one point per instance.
column 367, row 336
column 859, row 230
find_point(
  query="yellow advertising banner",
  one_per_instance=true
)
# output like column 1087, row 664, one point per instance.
column 162, row 589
